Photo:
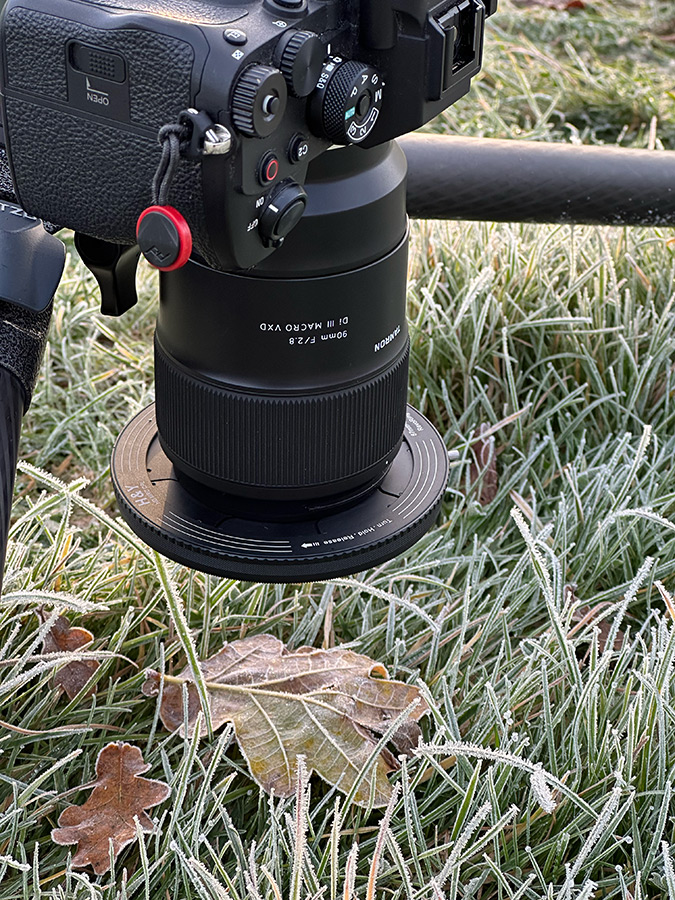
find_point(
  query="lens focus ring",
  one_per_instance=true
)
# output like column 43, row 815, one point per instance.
column 268, row 441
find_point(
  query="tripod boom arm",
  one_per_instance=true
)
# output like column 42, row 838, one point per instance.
column 487, row 180
column 483, row 179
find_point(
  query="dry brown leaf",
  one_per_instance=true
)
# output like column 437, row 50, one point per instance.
column 326, row 705
column 485, row 465
column 62, row 638
column 108, row 815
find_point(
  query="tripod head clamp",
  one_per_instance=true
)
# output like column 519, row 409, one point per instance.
column 37, row 259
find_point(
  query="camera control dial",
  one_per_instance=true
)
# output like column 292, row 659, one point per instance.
column 346, row 105
column 284, row 210
column 300, row 56
column 259, row 101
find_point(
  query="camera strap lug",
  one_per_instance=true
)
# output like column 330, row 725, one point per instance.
column 162, row 231
column 206, row 137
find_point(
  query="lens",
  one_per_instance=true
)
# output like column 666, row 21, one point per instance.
column 288, row 390
column 280, row 448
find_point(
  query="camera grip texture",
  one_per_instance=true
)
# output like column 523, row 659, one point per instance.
column 91, row 174
column 159, row 66
column 102, row 199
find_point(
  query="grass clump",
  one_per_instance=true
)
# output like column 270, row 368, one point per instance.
column 541, row 625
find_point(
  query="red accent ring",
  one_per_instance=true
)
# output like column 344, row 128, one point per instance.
column 179, row 222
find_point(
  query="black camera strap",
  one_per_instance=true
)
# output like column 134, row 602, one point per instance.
column 192, row 136
column 171, row 138
column 162, row 232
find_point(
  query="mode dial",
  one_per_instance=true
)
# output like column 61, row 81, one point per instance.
column 300, row 56
column 259, row 101
column 347, row 102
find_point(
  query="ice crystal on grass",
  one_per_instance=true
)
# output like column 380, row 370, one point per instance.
column 669, row 870
column 539, row 778
column 599, row 830
column 461, row 843
column 541, row 790
column 538, row 561
column 587, row 891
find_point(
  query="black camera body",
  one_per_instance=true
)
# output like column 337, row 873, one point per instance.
column 263, row 87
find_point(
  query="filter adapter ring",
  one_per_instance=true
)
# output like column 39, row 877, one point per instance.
column 383, row 524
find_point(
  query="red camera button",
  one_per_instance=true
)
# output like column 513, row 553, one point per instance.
column 268, row 170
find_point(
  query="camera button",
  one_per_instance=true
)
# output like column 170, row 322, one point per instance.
column 259, row 101
column 285, row 208
column 271, row 105
column 235, row 36
column 268, row 169
column 298, row 149
column 363, row 106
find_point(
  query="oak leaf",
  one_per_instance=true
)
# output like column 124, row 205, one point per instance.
column 119, row 795
column 329, row 706
column 63, row 638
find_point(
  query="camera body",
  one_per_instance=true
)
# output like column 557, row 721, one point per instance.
column 262, row 88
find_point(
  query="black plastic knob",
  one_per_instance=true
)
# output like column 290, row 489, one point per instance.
column 300, row 56
column 289, row 6
column 346, row 104
column 284, row 210
column 259, row 101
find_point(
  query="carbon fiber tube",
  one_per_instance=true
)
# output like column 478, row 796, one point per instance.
column 11, row 412
column 518, row 181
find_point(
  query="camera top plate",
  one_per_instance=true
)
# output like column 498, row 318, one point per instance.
column 196, row 12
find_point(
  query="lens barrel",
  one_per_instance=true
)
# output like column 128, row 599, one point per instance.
column 286, row 389
column 280, row 447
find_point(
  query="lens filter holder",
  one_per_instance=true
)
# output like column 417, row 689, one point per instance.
column 382, row 524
